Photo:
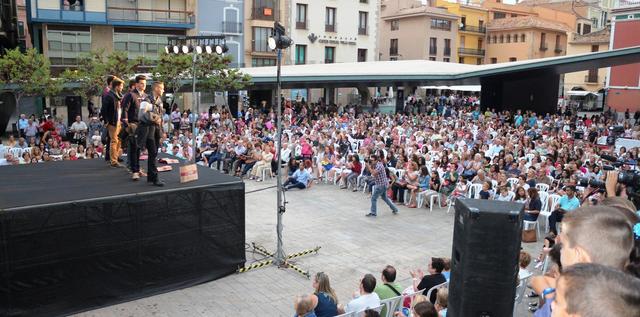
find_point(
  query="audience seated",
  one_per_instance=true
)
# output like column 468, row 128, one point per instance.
column 366, row 297
column 426, row 282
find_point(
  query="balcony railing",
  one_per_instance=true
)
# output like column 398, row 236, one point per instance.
column 447, row 51
column 301, row 25
column 591, row 78
column 362, row 31
column 231, row 27
column 150, row 15
column 470, row 51
column 264, row 13
column 329, row 27
column 558, row 49
column 393, row 51
column 471, row 28
column 543, row 47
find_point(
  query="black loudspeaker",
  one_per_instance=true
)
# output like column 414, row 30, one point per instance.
column 74, row 108
column 484, row 259
column 233, row 99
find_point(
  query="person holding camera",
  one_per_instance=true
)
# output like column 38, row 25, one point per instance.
column 377, row 170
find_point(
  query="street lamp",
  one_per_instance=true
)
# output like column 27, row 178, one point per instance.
column 196, row 45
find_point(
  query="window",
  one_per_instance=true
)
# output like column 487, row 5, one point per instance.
column 461, row 60
column 586, row 29
column 393, row 47
column 592, row 76
column 330, row 20
column 513, row 15
column 446, row 59
column 393, row 58
column 433, row 46
column 259, row 62
column 480, row 43
column 301, row 54
column 362, row 24
column 478, row 61
column 260, row 39
column 508, row 38
column 432, row 58
column 501, row 38
column 494, row 60
column 395, row 25
column 140, row 45
column 543, row 42
column 558, row 49
column 362, row 55
column 329, row 54
column 515, row 38
column 495, row 39
column 20, row 29
column 301, row 16
column 595, row 48
column 65, row 47
column 440, row 24
column 512, row 59
column 72, row 5
column 447, row 47
column 522, row 37
column 263, row 9
column 499, row 15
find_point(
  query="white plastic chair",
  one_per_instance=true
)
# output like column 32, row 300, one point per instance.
column 16, row 152
column 391, row 304
column 526, row 225
column 544, row 198
column 474, row 191
column 552, row 204
column 265, row 172
column 513, row 182
column 542, row 187
column 520, row 289
column 435, row 288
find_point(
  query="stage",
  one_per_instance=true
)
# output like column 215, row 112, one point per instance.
column 77, row 235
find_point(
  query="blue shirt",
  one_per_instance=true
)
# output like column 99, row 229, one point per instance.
column 532, row 121
column 567, row 203
column 302, row 176
column 23, row 124
column 518, row 120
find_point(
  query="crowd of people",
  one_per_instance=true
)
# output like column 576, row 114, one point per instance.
column 436, row 150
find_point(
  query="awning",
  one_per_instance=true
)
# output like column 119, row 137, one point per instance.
column 580, row 93
column 458, row 88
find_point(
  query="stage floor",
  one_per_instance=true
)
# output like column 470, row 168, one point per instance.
column 82, row 180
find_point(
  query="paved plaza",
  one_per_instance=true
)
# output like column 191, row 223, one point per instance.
column 352, row 245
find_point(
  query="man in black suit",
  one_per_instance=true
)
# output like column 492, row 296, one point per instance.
column 112, row 114
column 131, row 105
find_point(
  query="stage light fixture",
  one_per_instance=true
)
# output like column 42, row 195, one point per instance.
column 197, row 49
column 221, row 49
column 176, row 49
column 167, row 49
column 208, row 49
column 185, row 49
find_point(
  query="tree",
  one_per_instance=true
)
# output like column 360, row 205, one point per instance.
column 94, row 67
column 28, row 74
column 173, row 70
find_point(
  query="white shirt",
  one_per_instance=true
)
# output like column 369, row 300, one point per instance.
column 363, row 302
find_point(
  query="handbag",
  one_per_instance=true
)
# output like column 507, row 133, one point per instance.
column 529, row 235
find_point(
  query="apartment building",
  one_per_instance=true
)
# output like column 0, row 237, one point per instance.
column 472, row 30
column 410, row 30
column 592, row 80
column 623, row 82
column 224, row 17
column 258, row 26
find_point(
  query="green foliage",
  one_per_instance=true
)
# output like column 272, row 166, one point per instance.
column 28, row 73
column 94, row 67
column 212, row 72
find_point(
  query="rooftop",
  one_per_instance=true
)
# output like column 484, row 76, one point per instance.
column 601, row 36
column 527, row 22
column 418, row 11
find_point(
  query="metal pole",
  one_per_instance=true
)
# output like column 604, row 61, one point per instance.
column 193, row 106
column 280, row 257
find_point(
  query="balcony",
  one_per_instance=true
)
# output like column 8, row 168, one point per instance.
column 362, row 31
column 591, row 78
column 474, row 29
column 447, row 51
column 329, row 27
column 301, row 25
column 470, row 51
column 558, row 49
column 150, row 17
column 264, row 13
column 231, row 27
column 543, row 47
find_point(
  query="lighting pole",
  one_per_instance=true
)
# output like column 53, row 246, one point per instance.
column 198, row 45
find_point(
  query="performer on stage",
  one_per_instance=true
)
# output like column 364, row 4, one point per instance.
column 149, row 131
column 131, row 105
column 112, row 114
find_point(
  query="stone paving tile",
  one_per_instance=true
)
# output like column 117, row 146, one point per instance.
column 352, row 245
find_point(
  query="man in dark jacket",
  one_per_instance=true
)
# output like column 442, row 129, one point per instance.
column 112, row 113
column 149, row 131
column 131, row 106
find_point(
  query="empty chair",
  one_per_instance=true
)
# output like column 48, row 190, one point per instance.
column 541, row 187
column 474, row 191
column 513, row 182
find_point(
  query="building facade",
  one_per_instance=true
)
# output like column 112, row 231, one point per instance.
column 224, row 17
column 623, row 82
column 258, row 26
column 409, row 30
column 472, row 29
column 525, row 37
column 592, row 80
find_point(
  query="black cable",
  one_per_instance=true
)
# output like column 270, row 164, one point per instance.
column 260, row 189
